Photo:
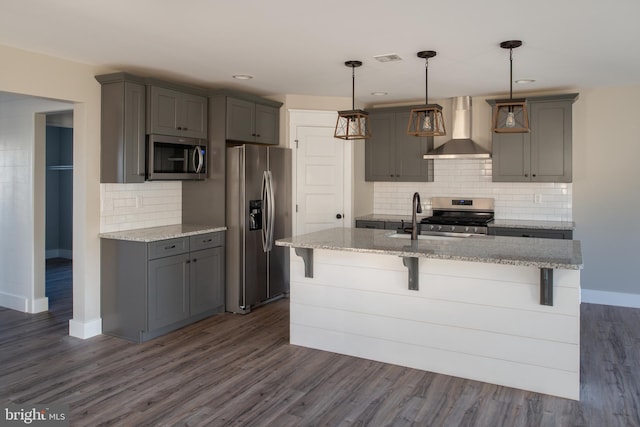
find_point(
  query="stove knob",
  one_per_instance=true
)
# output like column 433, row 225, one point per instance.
column 431, row 227
column 466, row 229
column 439, row 228
column 475, row 229
column 453, row 228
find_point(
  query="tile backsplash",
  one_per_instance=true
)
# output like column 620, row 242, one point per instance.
column 131, row 206
column 472, row 178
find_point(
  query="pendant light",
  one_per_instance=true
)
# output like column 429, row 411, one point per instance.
column 352, row 124
column 426, row 120
column 510, row 115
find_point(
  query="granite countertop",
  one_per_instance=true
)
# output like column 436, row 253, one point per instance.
column 385, row 217
column 542, row 253
column 506, row 223
column 523, row 223
column 153, row 234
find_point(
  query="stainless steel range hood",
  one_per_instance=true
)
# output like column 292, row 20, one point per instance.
column 461, row 146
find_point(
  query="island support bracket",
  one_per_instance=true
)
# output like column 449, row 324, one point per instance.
column 412, row 266
column 546, row 286
column 307, row 257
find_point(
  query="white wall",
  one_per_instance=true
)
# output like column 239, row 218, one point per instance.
column 44, row 76
column 22, row 284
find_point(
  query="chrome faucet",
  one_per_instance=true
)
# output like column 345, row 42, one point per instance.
column 416, row 208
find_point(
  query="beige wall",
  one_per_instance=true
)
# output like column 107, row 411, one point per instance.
column 43, row 76
column 606, row 193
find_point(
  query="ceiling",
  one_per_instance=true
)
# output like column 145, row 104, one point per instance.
column 299, row 47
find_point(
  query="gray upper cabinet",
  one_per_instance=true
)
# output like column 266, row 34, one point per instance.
column 391, row 154
column 122, row 154
column 177, row 113
column 544, row 154
column 248, row 121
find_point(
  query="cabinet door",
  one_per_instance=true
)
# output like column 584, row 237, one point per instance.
column 168, row 291
column 380, row 148
column 134, row 132
column 551, row 141
column 409, row 164
column 370, row 224
column 206, row 280
column 163, row 111
column 193, row 116
column 240, row 120
column 267, row 124
column 511, row 157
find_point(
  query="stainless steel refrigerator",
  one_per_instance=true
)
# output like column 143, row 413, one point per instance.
column 258, row 211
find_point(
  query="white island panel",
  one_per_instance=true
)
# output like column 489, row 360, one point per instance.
column 473, row 320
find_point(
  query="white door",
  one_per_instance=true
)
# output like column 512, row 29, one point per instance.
column 319, row 179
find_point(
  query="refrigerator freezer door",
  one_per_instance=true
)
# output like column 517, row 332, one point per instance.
column 280, row 168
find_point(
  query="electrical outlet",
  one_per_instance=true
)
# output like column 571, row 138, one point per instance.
column 537, row 198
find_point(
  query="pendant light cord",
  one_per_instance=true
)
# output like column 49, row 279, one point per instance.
column 511, row 74
column 353, row 87
column 426, row 81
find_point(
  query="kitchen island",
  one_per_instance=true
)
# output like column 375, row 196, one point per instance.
column 503, row 310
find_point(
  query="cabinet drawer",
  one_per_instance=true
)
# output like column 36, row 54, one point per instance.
column 370, row 224
column 206, row 241
column 164, row 248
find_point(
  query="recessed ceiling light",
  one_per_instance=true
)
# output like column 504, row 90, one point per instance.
column 524, row 81
column 379, row 93
column 242, row 76
column 388, row 57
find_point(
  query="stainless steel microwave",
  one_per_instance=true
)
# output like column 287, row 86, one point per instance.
column 175, row 158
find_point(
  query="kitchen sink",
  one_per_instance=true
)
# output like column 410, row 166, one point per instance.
column 444, row 236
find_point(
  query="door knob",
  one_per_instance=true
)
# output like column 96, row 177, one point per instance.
column 339, row 216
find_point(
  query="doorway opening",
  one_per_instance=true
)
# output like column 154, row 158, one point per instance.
column 59, row 212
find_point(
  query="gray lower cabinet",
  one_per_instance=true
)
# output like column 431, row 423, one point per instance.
column 248, row 121
column 391, row 154
column 149, row 289
column 122, row 140
column 545, row 153
column 177, row 113
column 531, row 232
column 382, row 225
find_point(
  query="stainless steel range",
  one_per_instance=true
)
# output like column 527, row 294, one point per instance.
column 451, row 216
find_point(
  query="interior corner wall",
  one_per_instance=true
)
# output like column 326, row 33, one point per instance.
column 44, row 76
column 18, row 200
column 606, row 199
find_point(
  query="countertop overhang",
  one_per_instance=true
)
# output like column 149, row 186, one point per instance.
column 541, row 253
column 153, row 234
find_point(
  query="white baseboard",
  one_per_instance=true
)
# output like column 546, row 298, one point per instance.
column 23, row 304
column 619, row 299
column 40, row 305
column 85, row 330
column 14, row 302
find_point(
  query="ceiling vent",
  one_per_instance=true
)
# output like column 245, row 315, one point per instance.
column 389, row 57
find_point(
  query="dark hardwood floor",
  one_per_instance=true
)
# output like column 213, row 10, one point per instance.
column 240, row 370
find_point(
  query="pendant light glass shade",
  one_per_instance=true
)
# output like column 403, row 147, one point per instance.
column 352, row 124
column 510, row 115
column 426, row 120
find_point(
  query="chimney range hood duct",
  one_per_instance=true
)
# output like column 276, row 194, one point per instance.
column 460, row 146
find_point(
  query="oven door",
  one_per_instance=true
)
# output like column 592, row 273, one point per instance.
column 174, row 158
